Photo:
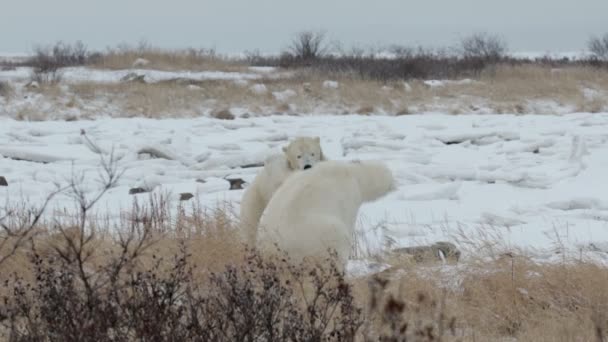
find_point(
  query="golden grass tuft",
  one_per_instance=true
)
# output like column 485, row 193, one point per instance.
column 166, row 59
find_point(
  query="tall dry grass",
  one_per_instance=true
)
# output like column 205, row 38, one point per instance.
column 505, row 89
column 124, row 57
column 506, row 297
column 521, row 89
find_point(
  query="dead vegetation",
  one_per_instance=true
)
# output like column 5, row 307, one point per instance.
column 146, row 56
column 505, row 89
column 168, row 273
column 476, row 76
column 516, row 89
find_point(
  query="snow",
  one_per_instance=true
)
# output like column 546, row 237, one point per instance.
column 85, row 74
column 259, row 89
column 284, row 95
column 140, row 62
column 523, row 181
column 328, row 84
column 442, row 83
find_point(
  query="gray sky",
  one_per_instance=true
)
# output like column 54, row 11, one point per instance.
column 238, row 25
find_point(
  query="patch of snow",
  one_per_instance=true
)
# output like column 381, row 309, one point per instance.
column 442, row 83
column 140, row 62
column 259, row 89
column 262, row 69
column 86, row 74
column 284, row 95
column 331, row 84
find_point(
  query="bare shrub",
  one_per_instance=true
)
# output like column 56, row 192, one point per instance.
column 599, row 47
column 48, row 60
column 147, row 280
column 18, row 226
column 264, row 300
column 308, row 45
column 484, row 46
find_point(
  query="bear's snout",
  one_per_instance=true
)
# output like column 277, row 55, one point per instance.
column 307, row 166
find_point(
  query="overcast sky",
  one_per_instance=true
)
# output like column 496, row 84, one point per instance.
column 238, row 25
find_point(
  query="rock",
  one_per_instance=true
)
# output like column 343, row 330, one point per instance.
column 133, row 77
column 223, row 114
column 3, row 181
column 32, row 85
column 140, row 62
column 236, row 183
column 185, row 196
column 135, row 191
column 435, row 252
column 201, row 181
column 247, row 166
column 155, row 152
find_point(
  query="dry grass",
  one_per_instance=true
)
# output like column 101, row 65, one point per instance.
column 505, row 89
column 509, row 296
column 164, row 59
column 209, row 235
column 513, row 298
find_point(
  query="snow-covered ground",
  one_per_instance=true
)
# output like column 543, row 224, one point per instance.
column 86, row 74
column 532, row 182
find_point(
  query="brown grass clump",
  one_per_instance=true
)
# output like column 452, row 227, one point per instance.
column 223, row 114
column 538, row 302
column 124, row 57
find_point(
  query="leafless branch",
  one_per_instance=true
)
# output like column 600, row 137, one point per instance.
column 17, row 232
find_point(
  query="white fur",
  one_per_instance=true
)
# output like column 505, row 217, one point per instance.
column 300, row 153
column 316, row 210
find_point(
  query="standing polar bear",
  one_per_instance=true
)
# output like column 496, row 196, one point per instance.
column 316, row 210
column 301, row 154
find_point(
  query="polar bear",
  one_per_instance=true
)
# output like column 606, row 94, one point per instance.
column 315, row 210
column 300, row 154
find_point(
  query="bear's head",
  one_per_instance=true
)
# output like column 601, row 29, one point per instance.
column 303, row 153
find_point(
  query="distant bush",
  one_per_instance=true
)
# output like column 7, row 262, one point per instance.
column 483, row 46
column 407, row 64
column 598, row 46
column 307, row 46
column 48, row 60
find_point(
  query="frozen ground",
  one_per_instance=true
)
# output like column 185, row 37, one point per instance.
column 85, row 74
column 532, row 182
